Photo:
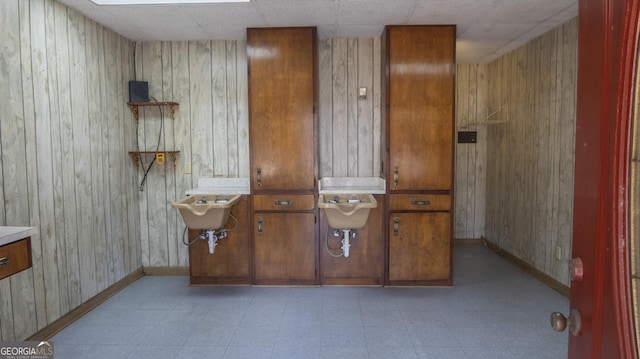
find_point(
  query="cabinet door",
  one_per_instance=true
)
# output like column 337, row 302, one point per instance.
column 284, row 248
column 419, row 246
column 420, row 99
column 229, row 264
column 281, row 108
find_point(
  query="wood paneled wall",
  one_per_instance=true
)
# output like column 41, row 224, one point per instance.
column 349, row 127
column 209, row 81
column 471, row 158
column 64, row 131
column 530, row 157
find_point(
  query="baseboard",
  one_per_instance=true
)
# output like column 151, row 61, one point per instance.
column 531, row 270
column 467, row 241
column 50, row 330
column 165, row 270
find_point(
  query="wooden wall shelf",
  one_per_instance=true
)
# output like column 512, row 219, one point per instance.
column 136, row 156
column 133, row 106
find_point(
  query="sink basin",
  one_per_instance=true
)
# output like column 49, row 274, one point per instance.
column 347, row 211
column 209, row 211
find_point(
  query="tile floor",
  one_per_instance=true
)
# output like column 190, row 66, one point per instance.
column 494, row 311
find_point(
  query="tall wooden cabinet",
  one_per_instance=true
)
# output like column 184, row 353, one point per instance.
column 419, row 94
column 283, row 149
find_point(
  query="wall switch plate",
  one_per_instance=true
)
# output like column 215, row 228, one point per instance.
column 558, row 252
column 362, row 93
column 187, row 167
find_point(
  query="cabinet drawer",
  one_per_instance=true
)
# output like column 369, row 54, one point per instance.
column 15, row 257
column 283, row 202
column 420, row 202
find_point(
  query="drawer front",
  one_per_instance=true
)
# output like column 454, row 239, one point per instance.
column 15, row 257
column 420, row 202
column 284, row 202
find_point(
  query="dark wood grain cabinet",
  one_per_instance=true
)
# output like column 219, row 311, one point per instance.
column 230, row 263
column 282, row 103
column 282, row 66
column 419, row 98
column 284, row 240
column 15, row 257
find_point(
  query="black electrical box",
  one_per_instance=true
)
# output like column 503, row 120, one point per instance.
column 467, row 136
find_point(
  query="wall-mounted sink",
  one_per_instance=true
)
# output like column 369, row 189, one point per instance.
column 206, row 211
column 347, row 211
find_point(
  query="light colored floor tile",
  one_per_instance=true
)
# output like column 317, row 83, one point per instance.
column 493, row 311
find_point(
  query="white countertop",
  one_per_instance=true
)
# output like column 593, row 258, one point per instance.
column 13, row 234
column 351, row 185
column 221, row 186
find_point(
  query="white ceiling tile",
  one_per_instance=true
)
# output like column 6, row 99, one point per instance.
column 226, row 33
column 496, row 30
column 494, row 26
column 149, row 16
column 359, row 30
column 299, row 13
column 375, row 12
column 526, row 10
column 327, row 31
column 449, row 12
column 99, row 15
column 220, row 15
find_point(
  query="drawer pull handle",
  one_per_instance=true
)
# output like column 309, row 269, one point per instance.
column 395, row 176
column 420, row 203
column 259, row 176
column 396, row 223
column 259, row 226
column 284, row 203
column 4, row 261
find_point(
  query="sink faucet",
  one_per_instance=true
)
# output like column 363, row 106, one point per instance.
column 202, row 200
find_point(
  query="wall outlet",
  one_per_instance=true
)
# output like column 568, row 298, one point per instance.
column 558, row 252
column 187, row 167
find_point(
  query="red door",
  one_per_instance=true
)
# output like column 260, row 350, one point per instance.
column 606, row 65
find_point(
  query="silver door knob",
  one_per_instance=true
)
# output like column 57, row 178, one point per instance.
column 559, row 322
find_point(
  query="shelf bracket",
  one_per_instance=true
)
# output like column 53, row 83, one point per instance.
column 134, row 111
column 136, row 158
column 173, row 157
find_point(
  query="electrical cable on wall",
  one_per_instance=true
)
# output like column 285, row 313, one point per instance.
column 146, row 172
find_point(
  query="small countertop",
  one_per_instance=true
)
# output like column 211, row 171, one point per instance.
column 13, row 234
column 220, row 186
column 351, row 185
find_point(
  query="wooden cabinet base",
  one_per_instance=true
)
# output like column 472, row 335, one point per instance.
column 229, row 264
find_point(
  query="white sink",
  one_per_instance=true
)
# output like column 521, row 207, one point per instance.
column 347, row 211
column 206, row 211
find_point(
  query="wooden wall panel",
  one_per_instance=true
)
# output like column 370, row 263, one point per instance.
column 470, row 171
column 208, row 79
column 65, row 85
column 530, row 150
column 349, row 127
column 63, row 103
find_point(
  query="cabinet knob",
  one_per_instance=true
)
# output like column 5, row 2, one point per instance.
column 259, row 226
column 4, row 261
column 284, row 203
column 396, row 223
column 420, row 203
column 395, row 176
column 259, row 176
